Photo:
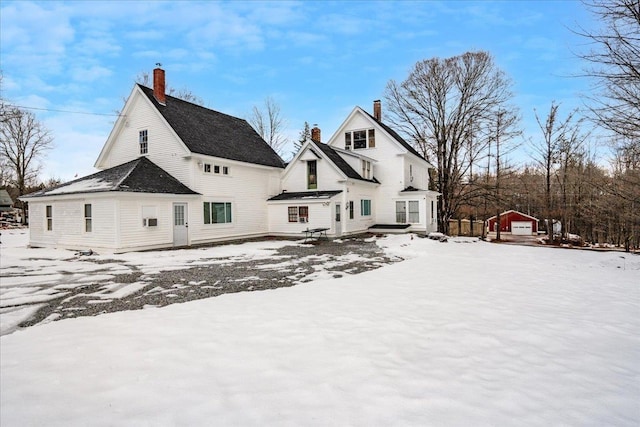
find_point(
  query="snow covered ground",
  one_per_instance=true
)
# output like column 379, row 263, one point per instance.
column 458, row 334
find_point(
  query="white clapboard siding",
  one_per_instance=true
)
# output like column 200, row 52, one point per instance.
column 296, row 178
column 133, row 234
column 247, row 188
column 69, row 224
column 321, row 214
column 164, row 149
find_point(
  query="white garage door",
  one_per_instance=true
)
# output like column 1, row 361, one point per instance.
column 522, row 228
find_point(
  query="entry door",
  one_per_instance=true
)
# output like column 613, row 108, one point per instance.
column 338, row 224
column 180, row 225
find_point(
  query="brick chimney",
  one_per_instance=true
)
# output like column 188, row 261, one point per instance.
column 377, row 110
column 159, row 85
column 315, row 134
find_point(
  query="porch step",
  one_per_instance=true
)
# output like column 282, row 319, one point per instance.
column 389, row 228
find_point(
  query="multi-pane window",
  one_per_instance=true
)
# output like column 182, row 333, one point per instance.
column 365, row 207
column 216, row 169
column 414, row 211
column 178, row 215
column 217, row 212
column 143, row 139
column 351, row 210
column 298, row 213
column 338, row 212
column 360, row 139
column 312, row 175
column 88, row 216
column 366, row 169
column 293, row 213
column 412, row 207
column 49, row 215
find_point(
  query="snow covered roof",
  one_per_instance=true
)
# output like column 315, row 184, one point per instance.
column 138, row 176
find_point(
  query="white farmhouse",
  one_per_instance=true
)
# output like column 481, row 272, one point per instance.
column 177, row 174
column 173, row 174
column 365, row 178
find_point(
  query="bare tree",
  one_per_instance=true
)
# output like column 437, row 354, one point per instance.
column 270, row 124
column 614, row 64
column 561, row 138
column 443, row 108
column 23, row 141
column 504, row 129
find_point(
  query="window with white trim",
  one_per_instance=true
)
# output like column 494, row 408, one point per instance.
column 401, row 212
column 149, row 216
column 206, row 168
column 414, row 211
column 217, row 212
column 350, row 208
column 358, row 139
column 49, row 215
column 365, row 207
column 407, row 212
column 312, row 174
column 88, row 218
column 366, row 169
column 432, row 213
column 143, row 140
column 298, row 214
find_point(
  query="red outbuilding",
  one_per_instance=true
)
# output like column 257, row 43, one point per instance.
column 514, row 222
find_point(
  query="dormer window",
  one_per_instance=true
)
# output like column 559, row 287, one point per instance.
column 359, row 139
column 143, row 140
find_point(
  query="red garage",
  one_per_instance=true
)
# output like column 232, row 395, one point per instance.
column 514, row 222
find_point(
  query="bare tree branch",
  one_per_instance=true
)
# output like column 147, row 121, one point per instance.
column 443, row 108
column 270, row 124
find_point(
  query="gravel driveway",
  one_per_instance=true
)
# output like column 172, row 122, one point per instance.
column 291, row 265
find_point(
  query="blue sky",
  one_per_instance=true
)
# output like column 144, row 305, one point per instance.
column 316, row 59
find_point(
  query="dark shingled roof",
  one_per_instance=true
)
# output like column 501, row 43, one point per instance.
column 212, row 133
column 411, row 188
column 137, row 176
column 397, row 137
column 306, row 195
column 341, row 163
